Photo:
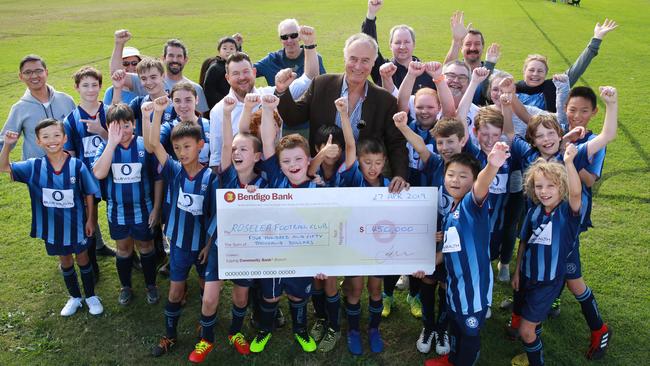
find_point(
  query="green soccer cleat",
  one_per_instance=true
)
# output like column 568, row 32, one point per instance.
column 305, row 341
column 329, row 340
column 388, row 304
column 259, row 342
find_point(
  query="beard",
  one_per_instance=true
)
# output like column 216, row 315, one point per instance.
column 174, row 68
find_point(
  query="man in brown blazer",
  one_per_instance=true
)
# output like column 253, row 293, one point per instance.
column 371, row 108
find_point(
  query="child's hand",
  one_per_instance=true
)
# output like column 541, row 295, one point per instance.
column 434, row 69
column 330, row 150
column 480, row 74
column 161, row 104
column 609, row 95
column 570, row 153
column 400, row 119
column 493, row 53
column 440, row 236
column 270, row 101
column 607, row 26
column 154, row 218
column 89, row 228
column 203, row 254
column 506, row 98
column 114, row 133
column 499, row 154
column 575, row 134
column 320, row 276
column 251, row 188
column 251, row 101
column 342, row 105
column 416, row 68
column 507, row 85
column 118, row 78
column 515, row 281
column 419, row 274
column 11, row 137
column 93, row 125
column 122, row 36
column 318, row 180
column 238, row 38
column 387, row 70
column 283, row 79
column 229, row 104
column 147, row 108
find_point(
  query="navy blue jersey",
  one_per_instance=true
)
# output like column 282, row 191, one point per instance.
column 136, row 105
column 83, row 143
column 595, row 167
column 549, row 238
column 434, row 173
column 415, row 174
column 193, row 215
column 229, row 179
column 166, row 132
column 128, row 187
column 353, row 177
column 466, row 248
column 526, row 155
column 58, row 198
column 277, row 179
column 498, row 192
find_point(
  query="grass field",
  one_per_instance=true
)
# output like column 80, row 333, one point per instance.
column 72, row 33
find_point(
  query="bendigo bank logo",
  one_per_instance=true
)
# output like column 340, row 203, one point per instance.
column 229, row 196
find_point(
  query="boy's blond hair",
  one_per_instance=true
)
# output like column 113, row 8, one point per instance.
column 552, row 170
column 488, row 116
column 547, row 120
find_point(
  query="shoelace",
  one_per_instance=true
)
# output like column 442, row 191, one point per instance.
column 201, row 347
column 238, row 339
column 165, row 343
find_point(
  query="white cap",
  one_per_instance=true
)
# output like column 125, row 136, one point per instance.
column 131, row 51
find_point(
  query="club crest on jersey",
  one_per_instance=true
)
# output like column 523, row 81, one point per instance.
column 456, row 214
column 308, row 289
column 73, row 180
column 204, row 187
column 141, row 154
column 571, row 268
column 471, row 322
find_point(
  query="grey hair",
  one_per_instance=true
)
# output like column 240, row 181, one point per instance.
column 361, row 37
column 402, row 26
column 286, row 22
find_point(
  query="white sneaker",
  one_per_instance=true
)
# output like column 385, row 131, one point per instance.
column 488, row 313
column 442, row 343
column 425, row 341
column 71, row 306
column 94, row 305
column 402, row 283
column 504, row 272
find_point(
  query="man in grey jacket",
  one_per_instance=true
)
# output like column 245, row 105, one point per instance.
column 40, row 101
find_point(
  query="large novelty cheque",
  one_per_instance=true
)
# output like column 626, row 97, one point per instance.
column 334, row 231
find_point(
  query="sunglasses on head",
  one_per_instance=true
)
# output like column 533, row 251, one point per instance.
column 130, row 63
column 284, row 37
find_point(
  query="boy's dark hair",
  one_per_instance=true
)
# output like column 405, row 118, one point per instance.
column 290, row 142
column 323, row 133
column 174, row 43
column 47, row 123
column 237, row 57
column 119, row 112
column 87, row 71
column 30, row 58
column 257, row 143
column 183, row 85
column 447, row 127
column 584, row 92
column 227, row 40
column 150, row 63
column 370, row 146
column 467, row 160
column 186, row 129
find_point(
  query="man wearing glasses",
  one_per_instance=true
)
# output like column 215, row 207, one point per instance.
column 457, row 74
column 291, row 55
column 130, row 58
column 40, row 101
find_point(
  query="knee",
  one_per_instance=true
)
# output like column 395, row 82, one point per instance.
column 66, row 261
column 145, row 247
column 577, row 286
column 82, row 258
column 527, row 332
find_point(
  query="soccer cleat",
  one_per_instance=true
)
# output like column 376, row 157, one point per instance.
column 388, row 304
column 442, row 343
column 152, row 295
column 425, row 341
column 125, row 296
column 374, row 338
column 165, row 345
column 440, row 361
column 504, row 272
column 105, row 251
column 71, row 306
column 555, row 309
column 599, row 343
column 402, row 283
column 488, row 312
column 305, row 341
column 94, row 305
column 354, row 342
column 260, row 341
column 318, row 330
column 415, row 305
column 241, row 345
column 506, row 304
column 520, row 360
column 329, row 341
column 201, row 351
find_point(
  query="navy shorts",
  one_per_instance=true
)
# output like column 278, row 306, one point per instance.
column 470, row 324
column 212, row 268
column 440, row 274
column 537, row 297
column 299, row 287
column 66, row 249
column 573, row 267
column 243, row 282
column 140, row 232
column 181, row 261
